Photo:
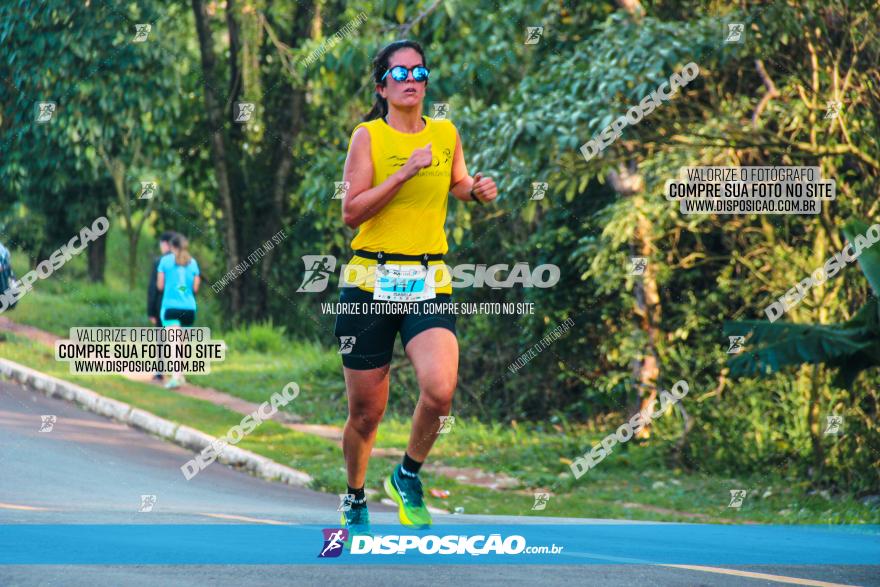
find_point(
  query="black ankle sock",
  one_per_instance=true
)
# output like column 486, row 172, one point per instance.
column 360, row 498
column 410, row 465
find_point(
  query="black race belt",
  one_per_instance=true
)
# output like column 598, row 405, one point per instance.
column 382, row 257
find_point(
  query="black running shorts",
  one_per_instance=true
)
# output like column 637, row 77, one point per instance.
column 366, row 339
column 185, row 318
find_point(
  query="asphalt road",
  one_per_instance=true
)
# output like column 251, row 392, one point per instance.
column 90, row 470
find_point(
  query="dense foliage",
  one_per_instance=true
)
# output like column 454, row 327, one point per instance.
column 126, row 110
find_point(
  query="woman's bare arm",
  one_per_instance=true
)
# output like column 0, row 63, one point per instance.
column 461, row 183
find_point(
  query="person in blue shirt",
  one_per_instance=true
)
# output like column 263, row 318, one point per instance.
column 7, row 280
column 178, row 278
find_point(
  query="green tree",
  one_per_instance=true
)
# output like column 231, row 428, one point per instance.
column 117, row 104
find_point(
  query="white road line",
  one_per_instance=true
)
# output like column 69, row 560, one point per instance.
column 761, row 576
column 12, row 506
column 718, row 570
column 246, row 519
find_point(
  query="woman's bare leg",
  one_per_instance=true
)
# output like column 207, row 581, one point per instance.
column 367, row 397
column 434, row 355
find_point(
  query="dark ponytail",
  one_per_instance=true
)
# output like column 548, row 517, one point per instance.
column 380, row 66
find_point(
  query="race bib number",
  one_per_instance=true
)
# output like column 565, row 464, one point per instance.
column 403, row 283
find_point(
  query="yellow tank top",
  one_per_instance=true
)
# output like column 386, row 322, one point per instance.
column 412, row 223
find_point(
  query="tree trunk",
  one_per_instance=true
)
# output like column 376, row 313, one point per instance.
column 133, row 239
column 628, row 183
column 97, row 257
column 99, row 196
column 814, row 422
column 217, row 121
column 291, row 123
column 117, row 172
column 647, row 311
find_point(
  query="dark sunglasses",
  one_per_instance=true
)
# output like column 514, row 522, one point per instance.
column 399, row 73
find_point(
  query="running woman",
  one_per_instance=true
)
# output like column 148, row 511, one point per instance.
column 178, row 278
column 400, row 169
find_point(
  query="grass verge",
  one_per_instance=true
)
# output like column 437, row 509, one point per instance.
column 628, row 485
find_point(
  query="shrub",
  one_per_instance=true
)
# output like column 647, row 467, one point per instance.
column 263, row 337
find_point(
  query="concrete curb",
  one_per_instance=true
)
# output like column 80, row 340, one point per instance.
column 187, row 437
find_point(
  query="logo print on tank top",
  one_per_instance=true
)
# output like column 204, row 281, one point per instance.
column 396, row 160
